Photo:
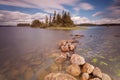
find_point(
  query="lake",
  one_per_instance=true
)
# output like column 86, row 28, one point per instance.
column 24, row 51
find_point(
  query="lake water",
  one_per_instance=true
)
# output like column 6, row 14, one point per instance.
column 24, row 51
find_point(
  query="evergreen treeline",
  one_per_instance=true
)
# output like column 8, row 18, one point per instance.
column 57, row 20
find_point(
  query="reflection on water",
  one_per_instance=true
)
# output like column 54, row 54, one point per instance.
column 24, row 51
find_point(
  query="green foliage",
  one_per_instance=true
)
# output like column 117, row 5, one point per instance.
column 95, row 60
column 23, row 24
column 36, row 23
column 57, row 20
column 103, row 63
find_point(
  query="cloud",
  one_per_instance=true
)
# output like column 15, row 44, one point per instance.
column 106, row 20
column 79, row 20
column 97, row 14
column 84, row 6
column 45, row 5
column 12, row 18
column 113, row 11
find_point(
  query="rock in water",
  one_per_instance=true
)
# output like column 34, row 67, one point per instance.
column 59, row 76
column 60, row 59
column 84, row 76
column 64, row 48
column 77, row 59
column 28, row 74
column 87, row 68
column 106, row 77
column 97, row 72
column 73, row 70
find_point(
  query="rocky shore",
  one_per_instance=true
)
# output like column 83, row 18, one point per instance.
column 71, row 66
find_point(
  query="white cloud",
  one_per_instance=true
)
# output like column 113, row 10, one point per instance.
column 45, row 5
column 106, row 20
column 12, row 18
column 84, row 6
column 97, row 14
column 79, row 20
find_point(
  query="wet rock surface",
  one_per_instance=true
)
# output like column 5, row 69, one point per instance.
column 84, row 76
column 77, row 59
column 87, row 68
column 73, row 70
column 106, row 76
column 97, row 72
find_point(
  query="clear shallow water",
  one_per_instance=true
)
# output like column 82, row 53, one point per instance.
column 23, row 50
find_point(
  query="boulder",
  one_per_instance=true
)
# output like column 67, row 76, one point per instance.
column 59, row 76
column 84, row 76
column 106, row 77
column 87, row 68
column 72, row 47
column 73, row 70
column 60, row 59
column 97, row 72
column 62, row 43
column 95, row 79
column 64, row 48
column 77, row 59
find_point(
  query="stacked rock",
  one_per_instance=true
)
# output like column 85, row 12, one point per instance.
column 67, row 47
column 78, row 68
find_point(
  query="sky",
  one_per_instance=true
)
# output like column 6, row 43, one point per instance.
column 82, row 11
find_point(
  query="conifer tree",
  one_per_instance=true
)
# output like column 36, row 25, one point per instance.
column 50, row 20
column 54, row 18
column 46, row 21
column 59, row 20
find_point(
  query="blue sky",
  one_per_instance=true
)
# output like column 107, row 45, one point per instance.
column 82, row 11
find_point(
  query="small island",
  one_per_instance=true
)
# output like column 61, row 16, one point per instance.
column 55, row 21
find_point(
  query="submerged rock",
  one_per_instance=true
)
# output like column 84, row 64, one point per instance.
column 28, row 75
column 84, row 76
column 55, row 67
column 73, row 70
column 97, row 72
column 59, row 76
column 77, row 59
column 60, row 59
column 106, row 77
column 87, row 68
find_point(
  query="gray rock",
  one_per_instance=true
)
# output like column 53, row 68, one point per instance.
column 73, row 70
column 59, row 76
column 87, row 68
column 97, row 72
column 106, row 77
column 77, row 59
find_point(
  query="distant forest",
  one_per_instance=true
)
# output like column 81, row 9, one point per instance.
column 55, row 20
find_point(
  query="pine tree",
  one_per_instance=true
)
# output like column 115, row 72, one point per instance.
column 58, row 20
column 46, row 21
column 54, row 18
column 50, row 20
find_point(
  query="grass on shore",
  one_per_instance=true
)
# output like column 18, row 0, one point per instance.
column 67, row 28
